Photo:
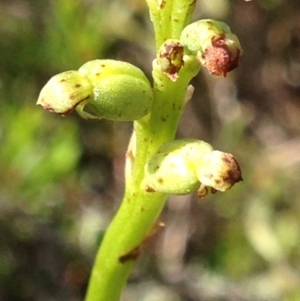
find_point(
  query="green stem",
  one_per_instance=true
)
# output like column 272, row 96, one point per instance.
column 139, row 210
column 169, row 18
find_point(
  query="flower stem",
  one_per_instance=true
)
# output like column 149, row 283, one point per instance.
column 139, row 210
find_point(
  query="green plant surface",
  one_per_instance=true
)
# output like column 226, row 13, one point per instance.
column 139, row 208
column 135, row 220
column 210, row 249
column 116, row 90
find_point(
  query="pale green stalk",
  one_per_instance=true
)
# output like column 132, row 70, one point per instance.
column 139, row 210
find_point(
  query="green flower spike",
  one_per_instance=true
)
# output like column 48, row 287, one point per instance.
column 213, row 44
column 107, row 89
column 64, row 92
column 172, row 170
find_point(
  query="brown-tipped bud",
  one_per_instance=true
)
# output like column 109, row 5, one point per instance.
column 220, row 57
column 172, row 169
column 64, row 91
column 107, row 89
column 170, row 58
column 219, row 170
column 213, row 44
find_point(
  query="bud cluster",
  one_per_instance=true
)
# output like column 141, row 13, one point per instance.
column 211, row 43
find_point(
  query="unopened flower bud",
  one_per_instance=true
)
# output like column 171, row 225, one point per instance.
column 107, row 89
column 219, row 170
column 214, row 45
column 64, row 92
column 182, row 166
column 170, row 58
column 121, row 91
column 172, row 170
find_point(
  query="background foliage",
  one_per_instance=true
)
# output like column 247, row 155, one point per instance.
column 62, row 178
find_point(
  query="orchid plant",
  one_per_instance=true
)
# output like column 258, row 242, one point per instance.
column 156, row 164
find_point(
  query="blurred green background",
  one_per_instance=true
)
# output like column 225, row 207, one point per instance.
column 62, row 178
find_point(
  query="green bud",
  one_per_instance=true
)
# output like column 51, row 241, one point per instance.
column 107, row 89
column 64, row 91
column 172, row 170
column 182, row 166
column 219, row 170
column 213, row 44
column 121, row 91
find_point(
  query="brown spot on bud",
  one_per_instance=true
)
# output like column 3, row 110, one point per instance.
column 220, row 171
column 234, row 173
column 170, row 58
column 162, row 4
column 213, row 191
column 219, row 57
column 202, row 191
column 149, row 189
column 160, row 180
